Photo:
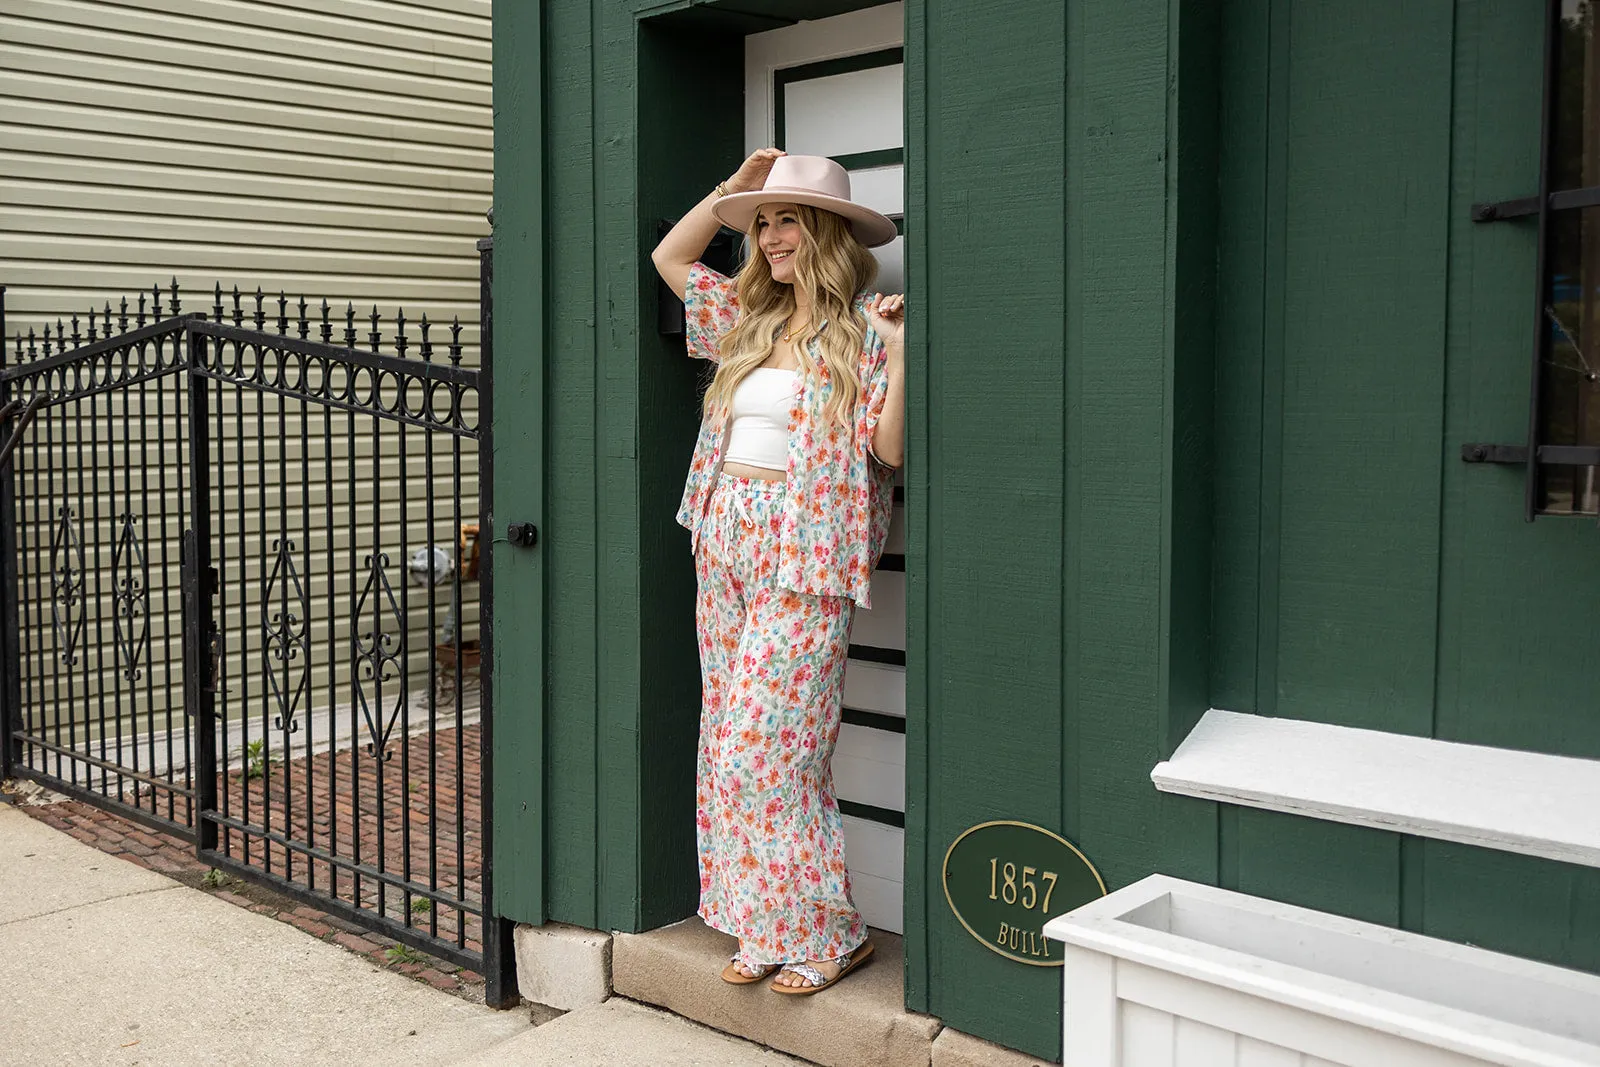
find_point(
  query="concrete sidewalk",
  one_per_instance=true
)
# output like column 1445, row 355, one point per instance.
column 108, row 963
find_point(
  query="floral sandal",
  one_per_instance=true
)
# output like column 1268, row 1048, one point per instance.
column 846, row 963
column 734, row 976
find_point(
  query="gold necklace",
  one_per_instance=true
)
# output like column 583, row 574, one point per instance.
column 788, row 330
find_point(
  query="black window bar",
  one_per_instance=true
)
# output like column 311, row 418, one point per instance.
column 1538, row 454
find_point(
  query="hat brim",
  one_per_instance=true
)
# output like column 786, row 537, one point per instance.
column 738, row 211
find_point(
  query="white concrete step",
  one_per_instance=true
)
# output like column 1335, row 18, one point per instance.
column 862, row 1021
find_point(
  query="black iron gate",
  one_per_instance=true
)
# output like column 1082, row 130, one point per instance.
column 243, row 578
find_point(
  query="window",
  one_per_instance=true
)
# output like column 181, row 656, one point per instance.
column 1562, row 455
column 1570, row 370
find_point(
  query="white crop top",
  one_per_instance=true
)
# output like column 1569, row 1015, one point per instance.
column 759, row 435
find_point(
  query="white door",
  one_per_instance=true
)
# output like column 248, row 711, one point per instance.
column 835, row 87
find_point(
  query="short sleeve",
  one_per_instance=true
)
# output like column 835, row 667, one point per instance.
column 874, row 385
column 710, row 310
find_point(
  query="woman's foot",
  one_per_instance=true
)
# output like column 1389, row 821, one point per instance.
column 752, row 971
column 812, row 976
column 741, row 970
column 795, row 979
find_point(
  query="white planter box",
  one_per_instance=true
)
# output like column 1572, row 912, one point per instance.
column 1167, row 973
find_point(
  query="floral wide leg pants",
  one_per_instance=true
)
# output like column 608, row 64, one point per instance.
column 772, row 863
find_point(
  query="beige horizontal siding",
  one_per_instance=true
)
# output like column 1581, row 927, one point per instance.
column 338, row 149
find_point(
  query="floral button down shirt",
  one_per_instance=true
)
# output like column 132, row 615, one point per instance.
column 839, row 497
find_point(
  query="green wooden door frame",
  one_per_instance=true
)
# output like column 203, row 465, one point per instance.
column 519, row 460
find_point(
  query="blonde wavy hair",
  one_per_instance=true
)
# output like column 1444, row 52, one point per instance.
column 834, row 268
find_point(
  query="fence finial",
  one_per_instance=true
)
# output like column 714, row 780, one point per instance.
column 216, row 307
column 350, row 325
column 375, row 337
column 47, row 340
column 122, row 317
column 94, row 334
column 77, row 339
column 176, row 307
column 141, row 307
column 260, row 316
column 400, row 333
column 455, row 341
column 427, row 345
column 304, row 326
column 327, row 327
column 283, row 314
column 238, row 312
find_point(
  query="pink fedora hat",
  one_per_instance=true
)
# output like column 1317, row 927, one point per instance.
column 814, row 180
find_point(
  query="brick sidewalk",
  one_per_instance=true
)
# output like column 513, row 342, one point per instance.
column 175, row 857
column 429, row 829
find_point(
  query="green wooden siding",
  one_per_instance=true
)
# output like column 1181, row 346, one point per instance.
column 1199, row 323
column 1366, row 328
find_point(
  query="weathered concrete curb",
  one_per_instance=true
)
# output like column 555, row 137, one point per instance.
column 952, row 1048
column 561, row 966
column 864, row 1021
column 620, row 1033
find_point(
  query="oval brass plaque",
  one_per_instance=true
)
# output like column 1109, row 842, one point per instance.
column 1005, row 880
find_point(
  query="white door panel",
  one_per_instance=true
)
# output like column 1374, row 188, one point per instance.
column 844, row 114
column 891, row 267
column 869, row 766
column 879, row 687
column 897, row 532
column 880, row 900
column 880, row 188
column 874, row 848
column 884, row 626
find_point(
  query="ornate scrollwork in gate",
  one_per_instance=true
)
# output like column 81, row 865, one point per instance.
column 66, row 585
column 130, row 576
column 287, row 639
column 379, row 651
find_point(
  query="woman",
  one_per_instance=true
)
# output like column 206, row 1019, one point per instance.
column 787, row 505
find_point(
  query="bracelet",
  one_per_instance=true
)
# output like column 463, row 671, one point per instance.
column 721, row 190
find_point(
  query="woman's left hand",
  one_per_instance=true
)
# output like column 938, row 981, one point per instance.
column 887, row 315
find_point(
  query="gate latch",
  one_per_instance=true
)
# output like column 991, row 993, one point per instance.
column 214, row 651
column 214, row 637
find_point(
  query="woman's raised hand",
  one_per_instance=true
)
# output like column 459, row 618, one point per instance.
column 887, row 314
column 752, row 173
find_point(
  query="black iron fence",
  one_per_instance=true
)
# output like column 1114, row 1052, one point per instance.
column 245, row 555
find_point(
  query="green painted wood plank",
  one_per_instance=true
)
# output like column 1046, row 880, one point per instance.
column 1274, row 258
column 518, row 736
column 1119, row 66
column 1523, row 905
column 993, row 276
column 1189, row 829
column 921, row 892
column 570, row 546
column 617, row 240
column 1189, row 388
column 1241, row 280
column 1345, row 870
column 1365, row 231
